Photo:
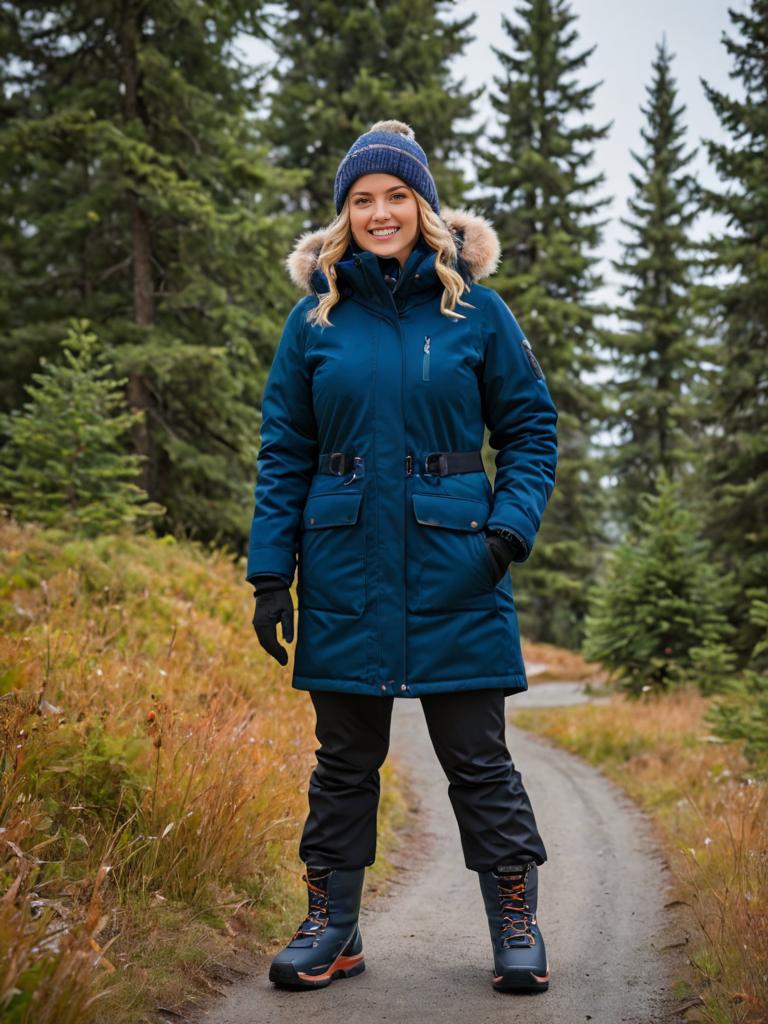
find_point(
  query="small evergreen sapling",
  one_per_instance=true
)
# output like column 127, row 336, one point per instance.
column 743, row 713
column 64, row 464
column 656, row 618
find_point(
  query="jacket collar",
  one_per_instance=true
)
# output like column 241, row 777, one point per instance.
column 360, row 271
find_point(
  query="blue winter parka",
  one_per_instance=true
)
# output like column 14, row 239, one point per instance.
column 395, row 585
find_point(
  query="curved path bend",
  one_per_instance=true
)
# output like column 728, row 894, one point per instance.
column 428, row 955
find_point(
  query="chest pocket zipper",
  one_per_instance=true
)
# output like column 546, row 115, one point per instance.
column 425, row 364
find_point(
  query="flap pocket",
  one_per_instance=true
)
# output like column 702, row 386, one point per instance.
column 333, row 509
column 469, row 514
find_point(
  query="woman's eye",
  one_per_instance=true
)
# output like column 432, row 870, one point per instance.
column 396, row 195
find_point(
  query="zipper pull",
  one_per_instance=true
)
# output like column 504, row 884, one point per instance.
column 426, row 344
column 425, row 362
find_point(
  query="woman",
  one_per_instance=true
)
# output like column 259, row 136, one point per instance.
column 370, row 473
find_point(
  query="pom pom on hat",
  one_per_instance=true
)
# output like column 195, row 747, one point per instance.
column 388, row 147
column 396, row 127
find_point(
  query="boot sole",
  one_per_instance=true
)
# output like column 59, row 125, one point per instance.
column 286, row 975
column 521, row 981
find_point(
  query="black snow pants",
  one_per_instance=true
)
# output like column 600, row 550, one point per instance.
column 493, row 812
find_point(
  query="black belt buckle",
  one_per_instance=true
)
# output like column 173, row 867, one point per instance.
column 337, row 459
column 442, row 463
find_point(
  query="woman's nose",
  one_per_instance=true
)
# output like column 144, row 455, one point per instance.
column 380, row 211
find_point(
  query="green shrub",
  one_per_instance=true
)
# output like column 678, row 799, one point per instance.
column 743, row 713
column 64, row 462
column 657, row 617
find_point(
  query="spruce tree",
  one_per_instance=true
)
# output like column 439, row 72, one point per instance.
column 656, row 616
column 656, row 357
column 343, row 65
column 64, row 463
column 735, row 465
column 743, row 714
column 135, row 192
column 543, row 205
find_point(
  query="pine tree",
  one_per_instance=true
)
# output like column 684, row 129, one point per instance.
column 743, row 714
column 735, row 468
column 542, row 204
column 135, row 193
column 656, row 617
column 657, row 357
column 64, row 462
column 344, row 65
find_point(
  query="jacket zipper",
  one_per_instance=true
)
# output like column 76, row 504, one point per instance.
column 425, row 364
column 410, row 469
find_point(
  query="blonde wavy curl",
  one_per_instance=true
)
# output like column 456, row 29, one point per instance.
column 436, row 234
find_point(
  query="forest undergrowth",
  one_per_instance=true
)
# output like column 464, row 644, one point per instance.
column 154, row 772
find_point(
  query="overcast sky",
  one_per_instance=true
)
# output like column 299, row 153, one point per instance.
column 625, row 34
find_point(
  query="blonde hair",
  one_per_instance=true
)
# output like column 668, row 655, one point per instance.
column 436, row 234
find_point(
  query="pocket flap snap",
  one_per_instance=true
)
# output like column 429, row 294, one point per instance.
column 337, row 509
column 451, row 513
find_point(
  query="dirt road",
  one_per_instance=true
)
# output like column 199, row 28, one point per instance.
column 427, row 945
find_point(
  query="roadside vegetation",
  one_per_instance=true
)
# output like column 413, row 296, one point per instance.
column 710, row 807
column 154, row 770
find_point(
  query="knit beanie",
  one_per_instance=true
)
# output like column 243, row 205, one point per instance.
column 389, row 147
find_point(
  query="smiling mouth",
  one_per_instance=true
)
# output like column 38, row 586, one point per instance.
column 384, row 232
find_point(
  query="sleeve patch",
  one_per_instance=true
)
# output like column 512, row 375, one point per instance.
column 532, row 360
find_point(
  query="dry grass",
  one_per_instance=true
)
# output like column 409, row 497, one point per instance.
column 561, row 664
column 154, row 771
column 713, row 818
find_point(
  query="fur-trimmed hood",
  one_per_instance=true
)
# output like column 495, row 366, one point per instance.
column 476, row 240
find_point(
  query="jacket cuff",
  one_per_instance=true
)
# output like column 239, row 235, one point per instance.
column 271, row 561
column 515, row 539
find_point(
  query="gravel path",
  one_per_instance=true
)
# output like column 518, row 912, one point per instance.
column 560, row 694
column 427, row 946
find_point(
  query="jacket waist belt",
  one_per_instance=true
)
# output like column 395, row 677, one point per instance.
column 435, row 464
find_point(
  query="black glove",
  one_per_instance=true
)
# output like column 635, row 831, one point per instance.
column 273, row 605
column 503, row 551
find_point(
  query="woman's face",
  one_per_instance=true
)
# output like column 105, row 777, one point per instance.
column 383, row 214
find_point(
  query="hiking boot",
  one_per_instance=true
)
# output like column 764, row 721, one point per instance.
column 327, row 943
column 520, row 959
